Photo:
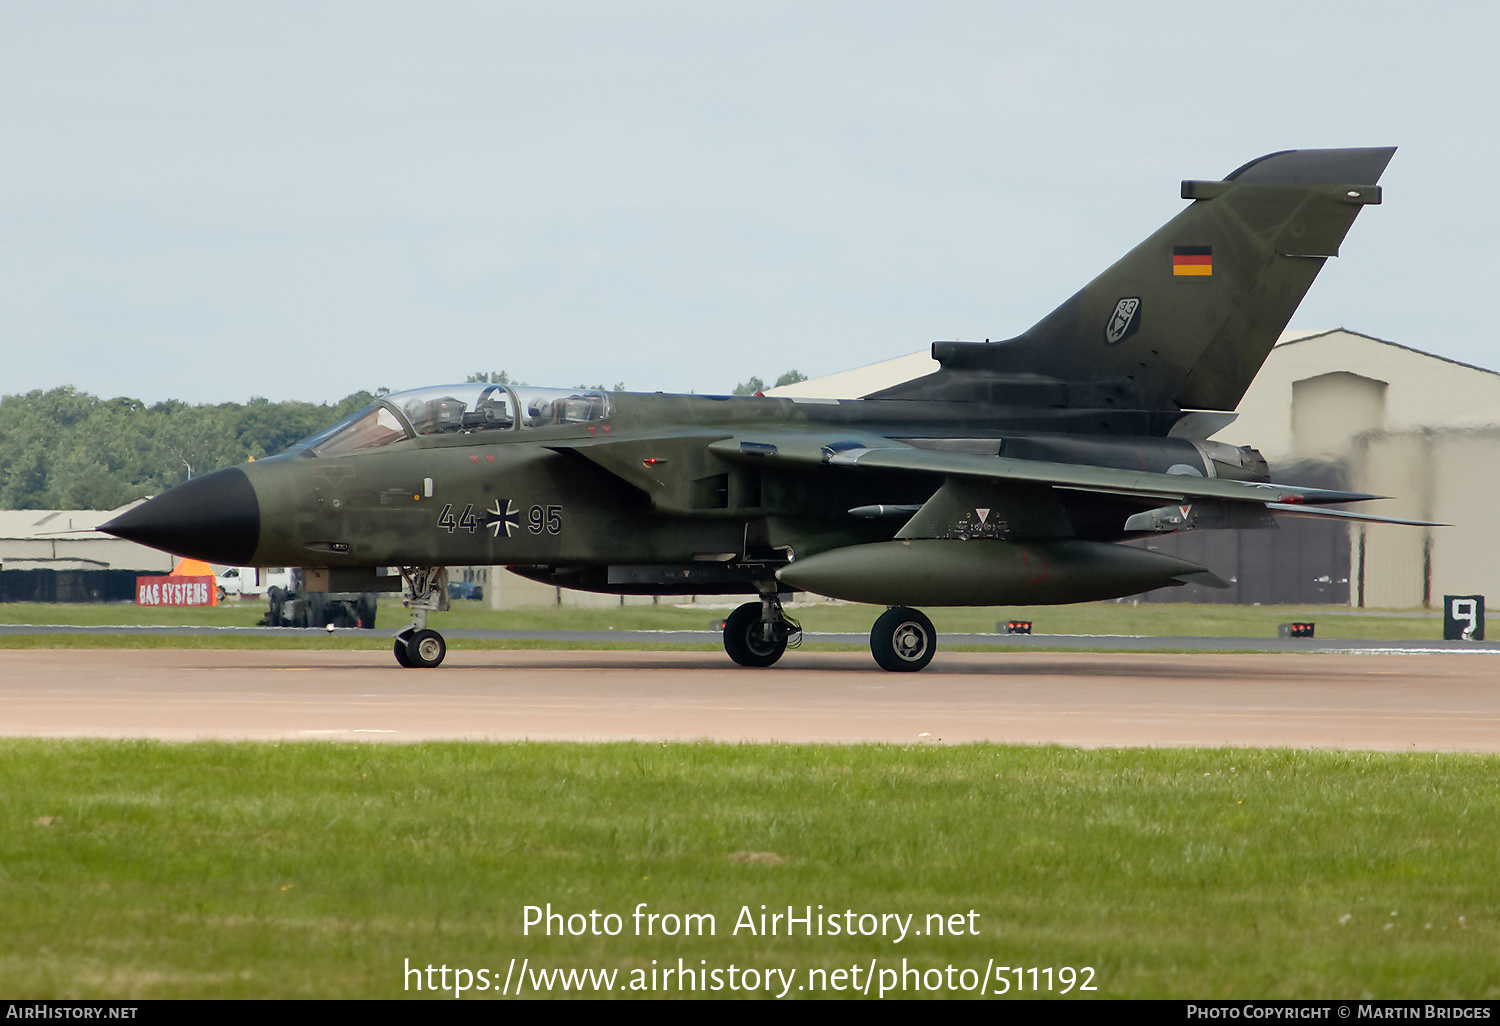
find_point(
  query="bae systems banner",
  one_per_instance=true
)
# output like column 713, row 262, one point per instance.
column 175, row 591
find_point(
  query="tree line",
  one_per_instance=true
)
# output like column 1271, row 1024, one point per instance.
column 66, row 449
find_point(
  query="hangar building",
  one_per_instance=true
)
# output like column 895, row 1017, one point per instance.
column 50, row 555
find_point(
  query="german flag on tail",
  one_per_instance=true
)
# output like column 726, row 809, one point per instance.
column 1193, row 261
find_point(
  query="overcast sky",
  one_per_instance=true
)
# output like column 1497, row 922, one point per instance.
column 298, row 200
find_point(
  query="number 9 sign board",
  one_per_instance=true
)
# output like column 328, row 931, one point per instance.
column 1463, row 617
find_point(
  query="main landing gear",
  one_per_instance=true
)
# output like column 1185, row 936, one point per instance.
column 903, row 640
column 423, row 590
column 758, row 633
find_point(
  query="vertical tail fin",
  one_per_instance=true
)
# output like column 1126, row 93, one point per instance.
column 1187, row 317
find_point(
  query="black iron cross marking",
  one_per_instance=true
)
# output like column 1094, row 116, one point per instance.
column 509, row 518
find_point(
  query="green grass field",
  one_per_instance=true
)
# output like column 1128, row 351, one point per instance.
column 143, row 870
column 146, row 870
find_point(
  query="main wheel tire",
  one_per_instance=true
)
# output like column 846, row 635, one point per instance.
column 743, row 641
column 426, row 649
column 903, row 640
column 400, row 649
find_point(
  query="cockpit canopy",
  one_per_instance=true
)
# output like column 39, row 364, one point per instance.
column 451, row 409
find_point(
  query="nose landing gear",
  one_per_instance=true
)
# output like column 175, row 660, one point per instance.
column 423, row 590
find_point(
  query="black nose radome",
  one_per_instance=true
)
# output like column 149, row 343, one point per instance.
column 215, row 518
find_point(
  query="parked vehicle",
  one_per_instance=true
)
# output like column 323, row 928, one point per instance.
column 253, row 581
column 295, row 606
column 465, row 590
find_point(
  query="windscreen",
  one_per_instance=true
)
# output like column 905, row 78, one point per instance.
column 371, row 428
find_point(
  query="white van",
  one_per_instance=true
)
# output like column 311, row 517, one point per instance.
column 253, row 581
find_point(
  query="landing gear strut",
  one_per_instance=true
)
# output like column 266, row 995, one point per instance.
column 423, row 590
column 903, row 640
column 757, row 633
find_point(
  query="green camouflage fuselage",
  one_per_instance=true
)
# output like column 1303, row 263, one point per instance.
column 622, row 491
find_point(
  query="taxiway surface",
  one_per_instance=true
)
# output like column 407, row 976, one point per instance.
column 1437, row 702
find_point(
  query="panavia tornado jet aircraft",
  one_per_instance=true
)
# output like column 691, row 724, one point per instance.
column 1008, row 476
